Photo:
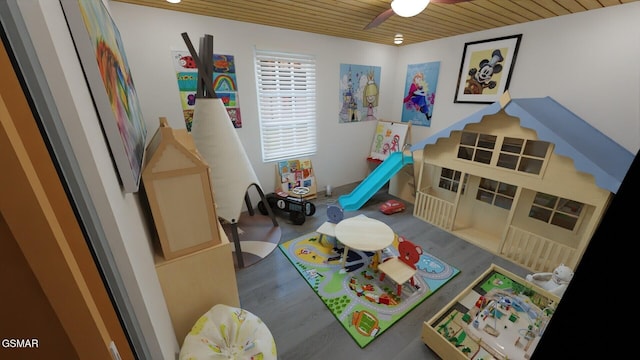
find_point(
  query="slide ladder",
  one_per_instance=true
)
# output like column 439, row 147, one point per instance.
column 375, row 180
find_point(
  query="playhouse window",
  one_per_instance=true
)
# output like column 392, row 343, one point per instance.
column 476, row 147
column 556, row 210
column 496, row 193
column 522, row 155
column 450, row 180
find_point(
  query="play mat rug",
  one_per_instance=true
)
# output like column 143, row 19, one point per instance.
column 364, row 305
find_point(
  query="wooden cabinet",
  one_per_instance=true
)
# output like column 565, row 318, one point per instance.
column 177, row 182
column 194, row 282
column 193, row 257
column 499, row 316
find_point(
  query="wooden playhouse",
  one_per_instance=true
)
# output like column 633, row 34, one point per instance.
column 523, row 178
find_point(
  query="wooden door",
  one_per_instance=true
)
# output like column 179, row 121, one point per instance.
column 52, row 290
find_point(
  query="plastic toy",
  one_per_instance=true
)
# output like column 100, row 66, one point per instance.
column 555, row 282
column 391, row 207
column 297, row 207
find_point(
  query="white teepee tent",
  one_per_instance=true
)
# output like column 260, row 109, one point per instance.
column 218, row 143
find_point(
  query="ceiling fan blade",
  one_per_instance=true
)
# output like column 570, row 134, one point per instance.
column 382, row 17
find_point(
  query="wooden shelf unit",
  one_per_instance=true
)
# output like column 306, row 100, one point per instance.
column 194, row 282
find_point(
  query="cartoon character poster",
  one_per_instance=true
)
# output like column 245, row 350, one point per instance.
column 420, row 93
column 486, row 68
column 224, row 84
column 358, row 93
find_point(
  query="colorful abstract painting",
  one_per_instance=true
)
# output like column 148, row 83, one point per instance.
column 101, row 52
column 224, row 84
column 420, row 93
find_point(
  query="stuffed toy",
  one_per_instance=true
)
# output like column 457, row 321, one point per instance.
column 555, row 282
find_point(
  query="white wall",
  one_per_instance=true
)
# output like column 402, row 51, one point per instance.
column 149, row 36
column 585, row 61
column 588, row 62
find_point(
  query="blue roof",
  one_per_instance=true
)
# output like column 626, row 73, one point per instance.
column 591, row 150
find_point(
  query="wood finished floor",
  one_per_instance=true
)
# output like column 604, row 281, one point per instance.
column 303, row 327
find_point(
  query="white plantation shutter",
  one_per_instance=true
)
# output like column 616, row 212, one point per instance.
column 286, row 104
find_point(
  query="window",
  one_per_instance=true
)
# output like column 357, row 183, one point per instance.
column 450, row 180
column 556, row 210
column 523, row 155
column 286, row 104
column 496, row 193
column 476, row 147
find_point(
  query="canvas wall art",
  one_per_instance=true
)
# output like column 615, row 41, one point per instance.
column 104, row 63
column 225, row 84
column 420, row 93
column 359, row 89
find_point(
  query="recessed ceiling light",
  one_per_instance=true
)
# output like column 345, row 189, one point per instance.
column 398, row 39
column 174, row 1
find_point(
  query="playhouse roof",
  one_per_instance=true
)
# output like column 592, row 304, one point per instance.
column 592, row 151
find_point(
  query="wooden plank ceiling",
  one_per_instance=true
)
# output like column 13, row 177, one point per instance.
column 347, row 18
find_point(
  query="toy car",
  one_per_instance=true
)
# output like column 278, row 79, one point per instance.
column 391, row 207
column 297, row 207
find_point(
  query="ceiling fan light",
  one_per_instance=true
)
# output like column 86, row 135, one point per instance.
column 408, row 8
column 398, row 39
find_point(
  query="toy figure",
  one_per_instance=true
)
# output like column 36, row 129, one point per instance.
column 417, row 96
column 555, row 282
column 480, row 78
column 371, row 95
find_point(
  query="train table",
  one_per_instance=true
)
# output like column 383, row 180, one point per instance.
column 499, row 316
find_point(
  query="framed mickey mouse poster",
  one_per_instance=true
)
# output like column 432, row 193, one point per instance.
column 486, row 68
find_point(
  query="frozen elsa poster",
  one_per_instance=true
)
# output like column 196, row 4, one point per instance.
column 420, row 93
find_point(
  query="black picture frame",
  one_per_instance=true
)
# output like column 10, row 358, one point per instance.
column 486, row 68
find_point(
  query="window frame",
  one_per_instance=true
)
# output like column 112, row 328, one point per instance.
column 286, row 86
column 493, row 150
column 454, row 181
column 556, row 209
column 483, row 145
column 523, row 155
column 496, row 193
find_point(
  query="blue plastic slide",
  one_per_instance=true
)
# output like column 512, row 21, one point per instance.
column 374, row 182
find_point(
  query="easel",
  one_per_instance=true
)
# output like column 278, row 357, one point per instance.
column 205, row 90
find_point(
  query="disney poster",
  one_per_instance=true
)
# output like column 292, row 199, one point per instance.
column 358, row 93
column 486, row 68
column 224, row 84
column 420, row 93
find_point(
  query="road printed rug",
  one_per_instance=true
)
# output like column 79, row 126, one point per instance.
column 365, row 306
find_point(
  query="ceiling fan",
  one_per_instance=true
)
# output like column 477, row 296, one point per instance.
column 406, row 8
